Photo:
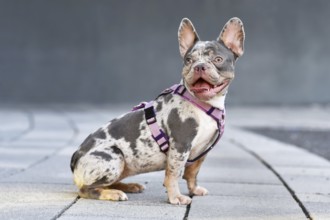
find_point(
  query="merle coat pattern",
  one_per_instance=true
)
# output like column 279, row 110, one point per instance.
column 124, row 146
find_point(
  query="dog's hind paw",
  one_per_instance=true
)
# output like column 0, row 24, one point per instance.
column 113, row 195
column 199, row 191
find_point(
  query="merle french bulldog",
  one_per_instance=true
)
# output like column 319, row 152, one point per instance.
column 172, row 133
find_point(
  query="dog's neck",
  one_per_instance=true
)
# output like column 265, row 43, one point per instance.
column 217, row 101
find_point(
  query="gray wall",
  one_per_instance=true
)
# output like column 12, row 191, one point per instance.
column 127, row 51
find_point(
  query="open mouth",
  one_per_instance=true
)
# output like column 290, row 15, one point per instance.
column 203, row 89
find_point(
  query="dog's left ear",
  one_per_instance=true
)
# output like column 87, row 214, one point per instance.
column 187, row 36
column 233, row 35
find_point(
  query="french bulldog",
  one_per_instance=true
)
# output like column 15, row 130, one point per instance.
column 125, row 146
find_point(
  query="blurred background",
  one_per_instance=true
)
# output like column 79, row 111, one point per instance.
column 87, row 51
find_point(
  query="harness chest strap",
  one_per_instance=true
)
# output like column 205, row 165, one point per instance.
column 161, row 137
column 157, row 133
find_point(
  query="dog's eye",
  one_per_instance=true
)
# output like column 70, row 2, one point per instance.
column 188, row 60
column 218, row 59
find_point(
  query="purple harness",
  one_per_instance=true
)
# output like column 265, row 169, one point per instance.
column 162, row 138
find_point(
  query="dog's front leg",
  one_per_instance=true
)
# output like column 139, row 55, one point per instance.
column 190, row 174
column 174, row 171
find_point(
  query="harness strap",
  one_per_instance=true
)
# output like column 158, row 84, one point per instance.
column 157, row 133
column 161, row 137
column 215, row 113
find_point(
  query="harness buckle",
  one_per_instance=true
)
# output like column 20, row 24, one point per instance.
column 162, row 140
column 164, row 147
column 150, row 115
column 180, row 90
column 151, row 120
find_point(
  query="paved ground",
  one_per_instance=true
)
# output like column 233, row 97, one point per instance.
column 313, row 140
column 249, row 176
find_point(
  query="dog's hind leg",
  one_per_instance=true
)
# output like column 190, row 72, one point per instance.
column 114, row 192
column 97, row 171
column 190, row 174
column 102, row 193
column 128, row 187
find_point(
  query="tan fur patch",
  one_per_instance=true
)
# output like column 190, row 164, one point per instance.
column 103, row 194
column 190, row 174
column 128, row 187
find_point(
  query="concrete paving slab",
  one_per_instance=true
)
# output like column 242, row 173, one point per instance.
column 228, row 163
column 318, row 205
column 5, row 172
column 10, row 150
column 304, row 173
column 245, row 190
column 302, row 117
column 313, row 140
column 302, row 159
column 245, row 208
column 237, row 175
column 49, row 135
column 33, row 201
column 87, row 209
column 55, row 169
column 35, row 144
column 14, row 122
column 275, row 152
column 226, row 154
column 19, row 161
column 240, row 185
column 307, row 180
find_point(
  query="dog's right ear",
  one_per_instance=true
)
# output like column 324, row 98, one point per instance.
column 187, row 36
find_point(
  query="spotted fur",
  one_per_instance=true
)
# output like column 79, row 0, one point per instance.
column 125, row 147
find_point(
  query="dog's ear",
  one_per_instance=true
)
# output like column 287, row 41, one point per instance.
column 233, row 35
column 187, row 36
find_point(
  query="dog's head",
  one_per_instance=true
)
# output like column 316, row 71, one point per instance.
column 209, row 65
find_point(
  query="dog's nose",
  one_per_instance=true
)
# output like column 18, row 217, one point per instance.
column 200, row 68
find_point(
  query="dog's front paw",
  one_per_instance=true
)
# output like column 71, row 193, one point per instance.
column 180, row 200
column 199, row 191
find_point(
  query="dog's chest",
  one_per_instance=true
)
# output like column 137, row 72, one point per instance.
column 206, row 135
column 206, row 129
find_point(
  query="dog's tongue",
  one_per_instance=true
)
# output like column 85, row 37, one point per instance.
column 200, row 86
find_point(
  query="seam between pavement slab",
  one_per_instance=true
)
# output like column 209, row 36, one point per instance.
column 71, row 124
column 66, row 208
column 30, row 127
column 259, row 158
column 75, row 129
column 307, row 174
column 246, row 145
column 186, row 214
